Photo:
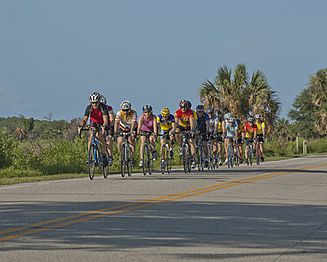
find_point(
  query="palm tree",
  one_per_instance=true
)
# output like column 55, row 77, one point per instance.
column 318, row 89
column 234, row 92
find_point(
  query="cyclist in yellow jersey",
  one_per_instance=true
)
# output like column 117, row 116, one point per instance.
column 261, row 133
column 167, row 126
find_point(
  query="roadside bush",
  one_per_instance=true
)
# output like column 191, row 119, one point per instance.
column 8, row 148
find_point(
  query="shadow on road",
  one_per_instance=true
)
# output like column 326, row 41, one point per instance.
column 174, row 224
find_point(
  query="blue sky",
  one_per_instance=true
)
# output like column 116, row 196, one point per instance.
column 54, row 53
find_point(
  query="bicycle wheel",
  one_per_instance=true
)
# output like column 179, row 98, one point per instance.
column 128, row 160
column 91, row 161
column 122, row 161
column 163, row 160
column 237, row 157
column 200, row 158
column 230, row 155
column 258, row 153
column 250, row 154
column 150, row 163
column 145, row 158
column 185, row 158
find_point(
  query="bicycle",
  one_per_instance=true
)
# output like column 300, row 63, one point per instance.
column 250, row 153
column 200, row 152
column 166, row 159
column 147, row 158
column 236, row 153
column 230, row 152
column 186, row 151
column 257, row 151
column 125, row 155
column 94, row 156
column 212, row 162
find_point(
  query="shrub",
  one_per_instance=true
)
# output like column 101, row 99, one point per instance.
column 8, row 148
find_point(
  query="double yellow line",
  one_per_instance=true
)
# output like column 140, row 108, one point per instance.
column 49, row 225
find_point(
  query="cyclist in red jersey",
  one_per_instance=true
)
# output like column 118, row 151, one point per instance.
column 98, row 114
column 185, row 119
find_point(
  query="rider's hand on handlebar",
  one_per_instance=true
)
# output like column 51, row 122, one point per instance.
column 79, row 131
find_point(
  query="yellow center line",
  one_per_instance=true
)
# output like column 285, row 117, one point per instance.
column 53, row 224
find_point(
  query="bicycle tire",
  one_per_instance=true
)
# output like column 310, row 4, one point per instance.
column 91, row 162
column 150, row 163
column 144, row 158
column 250, row 154
column 230, row 155
column 163, row 159
column 122, row 161
column 200, row 158
column 258, row 153
column 185, row 158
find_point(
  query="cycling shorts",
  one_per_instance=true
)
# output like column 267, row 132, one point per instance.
column 260, row 138
column 248, row 141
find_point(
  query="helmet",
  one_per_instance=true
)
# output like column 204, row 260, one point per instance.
column 147, row 108
column 250, row 119
column 200, row 108
column 183, row 103
column 189, row 104
column 125, row 105
column 228, row 116
column 218, row 113
column 209, row 111
column 257, row 116
column 94, row 97
column 103, row 100
column 165, row 111
column 231, row 119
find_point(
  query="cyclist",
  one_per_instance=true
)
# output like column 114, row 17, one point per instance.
column 240, row 122
column 110, row 129
column 230, row 131
column 219, row 115
column 167, row 127
column 148, row 124
column 261, row 133
column 185, row 119
column 98, row 114
column 213, row 129
column 125, row 121
column 249, row 134
column 202, row 126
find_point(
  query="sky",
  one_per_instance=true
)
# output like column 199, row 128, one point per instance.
column 54, row 53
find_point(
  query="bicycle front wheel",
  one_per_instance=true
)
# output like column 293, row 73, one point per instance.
column 91, row 162
column 230, row 156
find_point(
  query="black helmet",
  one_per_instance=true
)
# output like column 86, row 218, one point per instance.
column 147, row 108
column 200, row 108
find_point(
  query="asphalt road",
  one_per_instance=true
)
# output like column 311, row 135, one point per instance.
column 273, row 212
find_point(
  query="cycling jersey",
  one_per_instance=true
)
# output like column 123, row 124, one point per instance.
column 96, row 114
column 147, row 123
column 231, row 129
column 249, row 131
column 126, row 120
column 212, row 123
column 260, row 127
column 165, row 124
column 220, row 126
column 184, row 117
column 201, row 123
column 239, row 129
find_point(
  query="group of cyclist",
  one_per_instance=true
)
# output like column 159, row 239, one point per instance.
column 207, row 125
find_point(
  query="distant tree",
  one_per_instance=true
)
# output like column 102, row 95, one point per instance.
column 309, row 109
column 236, row 92
column 48, row 117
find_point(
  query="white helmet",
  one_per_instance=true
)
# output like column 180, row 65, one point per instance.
column 258, row 116
column 125, row 105
column 103, row 100
column 95, row 97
